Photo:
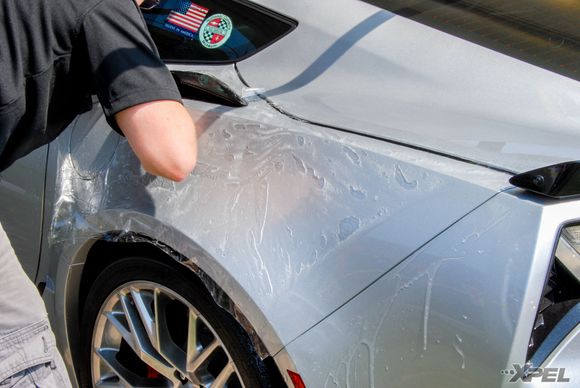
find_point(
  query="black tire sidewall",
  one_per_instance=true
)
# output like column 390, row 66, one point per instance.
column 250, row 367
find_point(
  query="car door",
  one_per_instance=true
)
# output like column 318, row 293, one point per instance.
column 21, row 204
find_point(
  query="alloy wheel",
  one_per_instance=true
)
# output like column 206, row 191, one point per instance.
column 147, row 335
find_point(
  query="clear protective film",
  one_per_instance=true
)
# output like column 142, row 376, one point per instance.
column 100, row 192
column 280, row 217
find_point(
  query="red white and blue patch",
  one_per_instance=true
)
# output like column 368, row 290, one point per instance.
column 186, row 19
column 215, row 31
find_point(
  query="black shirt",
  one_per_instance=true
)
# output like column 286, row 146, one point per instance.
column 55, row 53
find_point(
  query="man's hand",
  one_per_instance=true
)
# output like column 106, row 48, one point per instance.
column 163, row 136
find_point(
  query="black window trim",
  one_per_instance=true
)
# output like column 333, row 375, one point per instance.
column 291, row 22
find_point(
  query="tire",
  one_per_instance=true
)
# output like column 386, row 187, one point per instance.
column 186, row 340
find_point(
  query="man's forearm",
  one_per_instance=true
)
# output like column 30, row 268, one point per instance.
column 162, row 135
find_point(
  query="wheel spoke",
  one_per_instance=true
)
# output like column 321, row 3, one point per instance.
column 108, row 357
column 192, row 340
column 143, row 301
column 192, row 348
column 140, row 341
column 119, row 321
column 107, row 384
column 224, row 376
column 167, row 348
column 126, row 377
column 202, row 359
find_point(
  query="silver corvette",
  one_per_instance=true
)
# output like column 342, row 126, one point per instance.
column 386, row 196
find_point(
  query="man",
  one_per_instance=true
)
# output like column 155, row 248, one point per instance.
column 53, row 55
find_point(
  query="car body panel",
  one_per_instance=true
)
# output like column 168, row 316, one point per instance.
column 475, row 287
column 22, row 195
column 317, row 235
column 355, row 66
column 298, row 218
column 566, row 358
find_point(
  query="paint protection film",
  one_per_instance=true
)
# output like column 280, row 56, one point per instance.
column 213, row 31
column 285, row 218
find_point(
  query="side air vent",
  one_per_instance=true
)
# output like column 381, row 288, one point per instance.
column 205, row 87
column 560, row 296
column 556, row 181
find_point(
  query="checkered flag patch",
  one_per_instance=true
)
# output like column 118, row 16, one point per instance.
column 215, row 31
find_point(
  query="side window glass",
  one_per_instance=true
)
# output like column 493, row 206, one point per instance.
column 215, row 31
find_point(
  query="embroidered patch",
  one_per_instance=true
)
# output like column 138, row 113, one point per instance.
column 215, row 31
column 186, row 18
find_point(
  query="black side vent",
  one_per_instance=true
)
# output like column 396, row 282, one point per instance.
column 556, row 181
column 205, row 87
column 560, row 295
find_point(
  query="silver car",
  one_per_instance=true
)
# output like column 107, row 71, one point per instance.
column 386, row 196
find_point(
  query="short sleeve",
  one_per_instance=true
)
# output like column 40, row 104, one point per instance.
column 123, row 59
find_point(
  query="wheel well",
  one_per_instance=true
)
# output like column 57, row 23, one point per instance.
column 103, row 253
column 113, row 247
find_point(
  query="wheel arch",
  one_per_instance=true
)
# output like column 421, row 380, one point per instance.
column 101, row 251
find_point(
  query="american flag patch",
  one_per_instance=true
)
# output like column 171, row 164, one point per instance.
column 187, row 15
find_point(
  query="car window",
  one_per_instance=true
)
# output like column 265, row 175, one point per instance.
column 545, row 33
column 213, row 30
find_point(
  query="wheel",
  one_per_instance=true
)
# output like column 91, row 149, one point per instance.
column 148, row 324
